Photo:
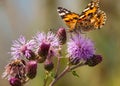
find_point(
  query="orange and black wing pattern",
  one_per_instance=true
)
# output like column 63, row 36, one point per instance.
column 91, row 17
column 69, row 17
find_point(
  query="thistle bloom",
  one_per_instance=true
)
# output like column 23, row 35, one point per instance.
column 80, row 48
column 21, row 47
column 47, row 42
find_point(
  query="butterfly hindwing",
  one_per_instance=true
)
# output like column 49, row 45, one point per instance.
column 100, row 18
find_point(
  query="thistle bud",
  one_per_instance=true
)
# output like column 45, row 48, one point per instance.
column 31, row 69
column 31, row 55
column 15, row 82
column 61, row 33
column 94, row 60
column 48, row 65
column 74, row 61
column 43, row 50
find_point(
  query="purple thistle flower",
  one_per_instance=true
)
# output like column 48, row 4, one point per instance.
column 80, row 48
column 50, row 39
column 21, row 47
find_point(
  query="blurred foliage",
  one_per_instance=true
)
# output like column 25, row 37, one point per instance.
column 26, row 17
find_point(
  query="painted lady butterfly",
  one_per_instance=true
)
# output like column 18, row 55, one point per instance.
column 91, row 18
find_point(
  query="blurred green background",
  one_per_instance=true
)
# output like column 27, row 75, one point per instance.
column 27, row 17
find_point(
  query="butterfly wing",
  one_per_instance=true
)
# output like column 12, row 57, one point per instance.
column 100, row 19
column 92, row 17
column 69, row 17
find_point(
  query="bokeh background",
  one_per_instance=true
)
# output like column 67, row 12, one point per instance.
column 27, row 17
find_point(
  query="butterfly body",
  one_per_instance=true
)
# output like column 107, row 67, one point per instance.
column 91, row 18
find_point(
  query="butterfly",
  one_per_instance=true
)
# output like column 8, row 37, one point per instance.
column 91, row 17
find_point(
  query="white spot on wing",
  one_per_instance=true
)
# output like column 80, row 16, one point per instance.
column 86, row 9
column 61, row 14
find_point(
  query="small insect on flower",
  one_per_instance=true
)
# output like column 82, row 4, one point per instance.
column 21, row 47
column 80, row 48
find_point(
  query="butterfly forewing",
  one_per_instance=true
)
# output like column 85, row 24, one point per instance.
column 69, row 17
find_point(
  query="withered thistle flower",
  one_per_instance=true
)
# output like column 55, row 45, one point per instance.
column 15, row 69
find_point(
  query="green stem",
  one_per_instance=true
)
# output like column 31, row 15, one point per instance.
column 46, row 79
column 66, row 70
column 58, row 61
column 60, row 75
column 76, row 66
column 57, row 68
